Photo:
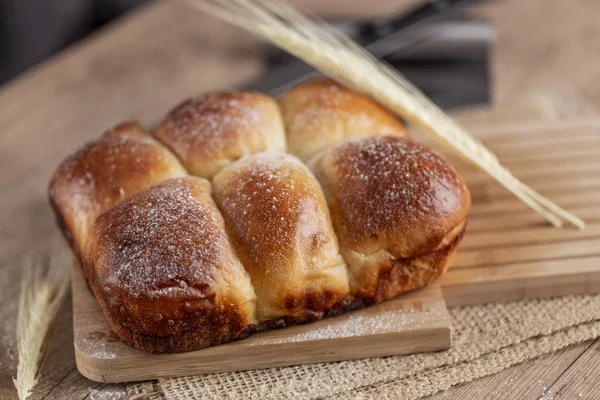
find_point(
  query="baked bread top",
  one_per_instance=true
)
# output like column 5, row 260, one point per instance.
column 320, row 113
column 391, row 193
column 106, row 171
column 178, row 262
column 390, row 199
column 210, row 131
column 278, row 220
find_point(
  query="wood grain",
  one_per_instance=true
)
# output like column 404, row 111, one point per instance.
column 580, row 381
column 416, row 322
column 67, row 100
column 527, row 381
column 508, row 252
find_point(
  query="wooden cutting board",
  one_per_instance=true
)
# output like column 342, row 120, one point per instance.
column 417, row 322
column 508, row 253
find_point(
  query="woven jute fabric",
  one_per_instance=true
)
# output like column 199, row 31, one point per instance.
column 486, row 339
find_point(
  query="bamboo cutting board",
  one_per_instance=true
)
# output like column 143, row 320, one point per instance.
column 508, row 253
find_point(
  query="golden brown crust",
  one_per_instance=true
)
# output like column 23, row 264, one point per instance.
column 162, row 268
column 389, row 199
column 321, row 113
column 399, row 276
column 163, row 262
column 402, row 276
column 278, row 221
column 105, row 171
column 391, row 193
column 211, row 131
column 127, row 128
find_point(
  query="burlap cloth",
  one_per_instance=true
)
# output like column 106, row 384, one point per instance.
column 486, row 338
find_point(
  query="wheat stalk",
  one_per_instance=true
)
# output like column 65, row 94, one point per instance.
column 43, row 289
column 336, row 55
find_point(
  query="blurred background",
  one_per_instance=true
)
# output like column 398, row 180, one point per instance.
column 72, row 68
column 32, row 30
column 474, row 52
column 436, row 44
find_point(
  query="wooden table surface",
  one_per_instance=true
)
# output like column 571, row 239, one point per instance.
column 144, row 63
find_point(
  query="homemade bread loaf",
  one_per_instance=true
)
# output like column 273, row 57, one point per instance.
column 320, row 113
column 210, row 131
column 105, row 171
column 278, row 221
column 179, row 263
column 398, row 210
column 164, row 271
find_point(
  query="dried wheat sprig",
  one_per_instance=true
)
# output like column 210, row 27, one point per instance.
column 336, row 55
column 43, row 289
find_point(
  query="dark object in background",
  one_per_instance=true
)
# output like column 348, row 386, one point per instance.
column 451, row 66
column 445, row 54
column 32, row 30
column 435, row 45
column 450, row 63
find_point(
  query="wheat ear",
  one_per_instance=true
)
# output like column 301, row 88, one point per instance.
column 336, row 55
column 43, row 289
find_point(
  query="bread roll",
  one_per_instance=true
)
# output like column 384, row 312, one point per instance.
column 164, row 272
column 211, row 131
column 321, row 113
column 176, row 266
column 398, row 209
column 104, row 172
column 278, row 221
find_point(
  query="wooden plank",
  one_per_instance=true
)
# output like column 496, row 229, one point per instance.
column 514, row 221
column 510, row 254
column 545, row 171
column 544, row 145
column 580, row 380
column 522, row 252
column 522, row 280
column 540, row 131
column 504, row 139
column 526, row 381
column 515, row 205
column 539, row 141
column 525, row 236
column 515, row 152
column 489, row 191
column 562, row 153
column 415, row 322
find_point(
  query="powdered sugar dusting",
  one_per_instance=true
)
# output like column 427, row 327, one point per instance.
column 166, row 240
column 94, row 344
column 277, row 219
column 358, row 325
column 272, row 203
column 324, row 109
column 362, row 324
column 106, row 171
column 208, row 124
column 108, row 392
column 391, row 187
column 321, row 113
